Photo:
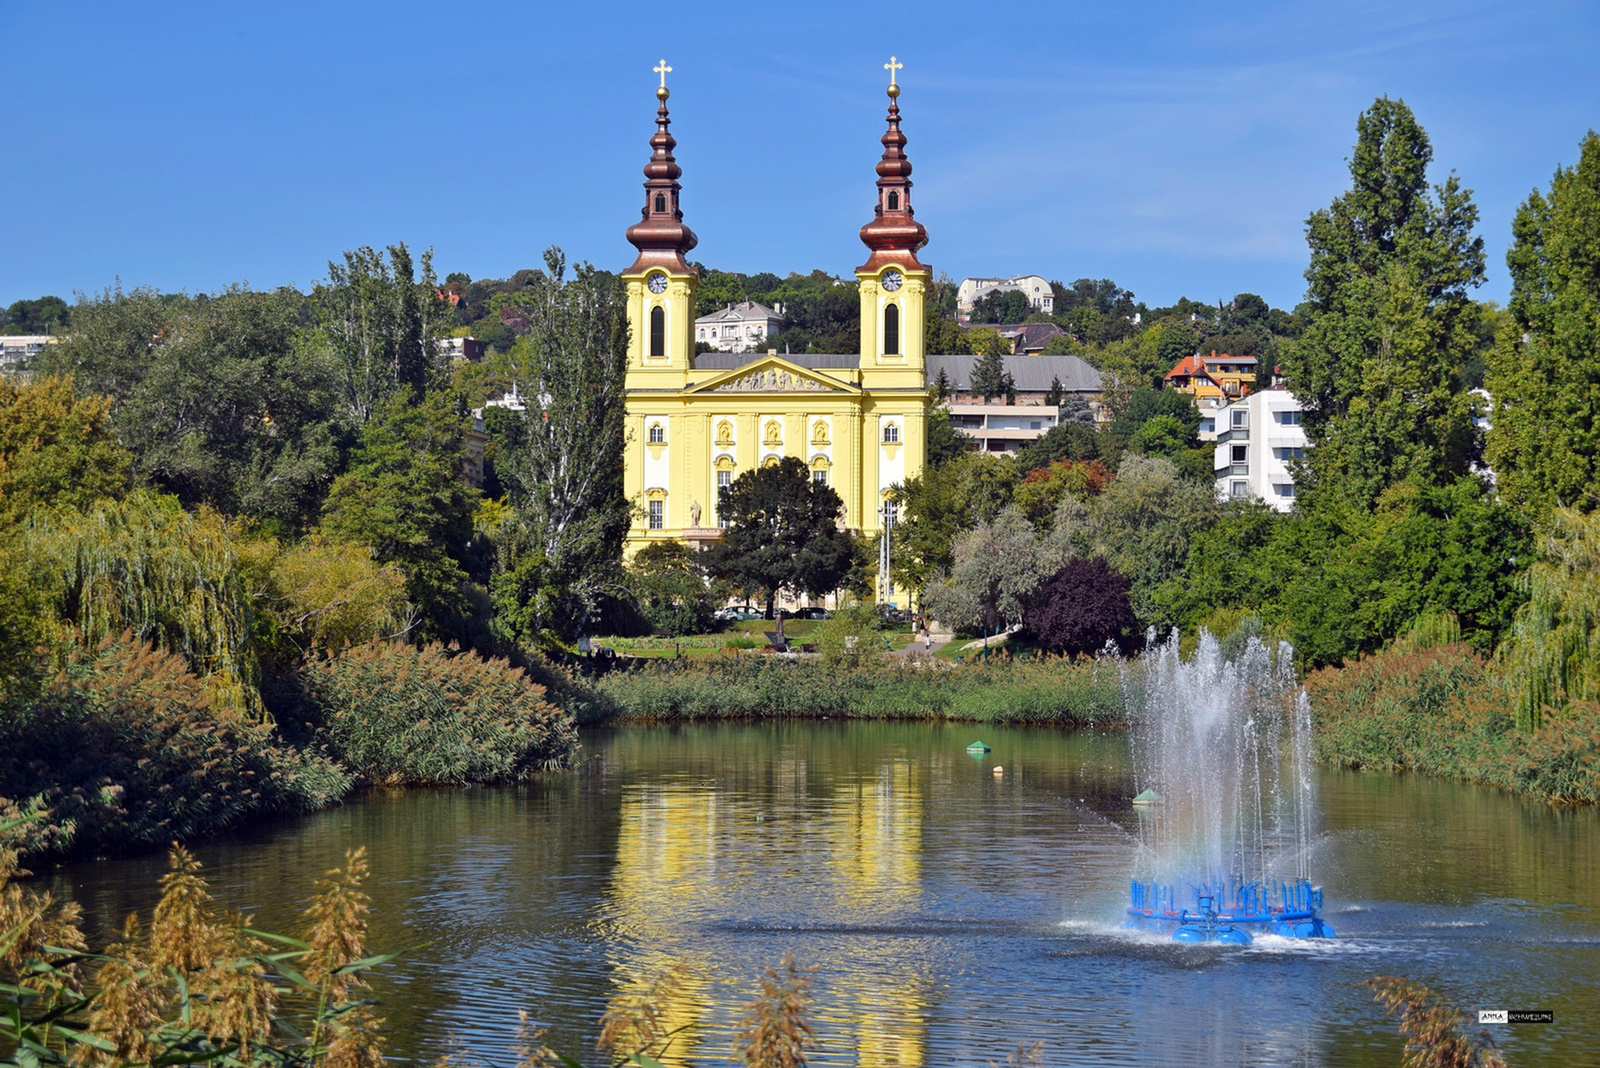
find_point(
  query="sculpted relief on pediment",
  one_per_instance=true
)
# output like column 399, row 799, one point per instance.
column 772, row 380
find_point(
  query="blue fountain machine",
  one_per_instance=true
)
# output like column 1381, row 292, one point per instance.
column 1226, row 911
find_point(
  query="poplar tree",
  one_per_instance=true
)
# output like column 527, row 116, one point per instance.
column 562, row 463
column 1544, row 373
column 1390, row 320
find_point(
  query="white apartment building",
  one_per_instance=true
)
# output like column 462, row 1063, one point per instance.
column 742, row 327
column 1257, row 438
column 1035, row 288
column 18, row 350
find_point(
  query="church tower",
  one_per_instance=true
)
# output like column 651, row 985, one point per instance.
column 661, row 284
column 893, row 282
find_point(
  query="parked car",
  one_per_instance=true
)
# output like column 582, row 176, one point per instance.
column 812, row 613
column 890, row 614
column 735, row 614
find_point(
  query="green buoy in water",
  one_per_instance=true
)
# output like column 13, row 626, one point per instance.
column 1149, row 797
column 977, row 747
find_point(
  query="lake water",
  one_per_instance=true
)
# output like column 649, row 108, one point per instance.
column 950, row 913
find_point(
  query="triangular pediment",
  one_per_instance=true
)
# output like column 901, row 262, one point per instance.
column 773, row 374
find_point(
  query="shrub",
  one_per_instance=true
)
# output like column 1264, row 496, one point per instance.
column 1080, row 608
column 398, row 715
column 1440, row 710
column 127, row 747
column 1045, row 690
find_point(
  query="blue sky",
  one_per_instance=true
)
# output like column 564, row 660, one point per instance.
column 1176, row 148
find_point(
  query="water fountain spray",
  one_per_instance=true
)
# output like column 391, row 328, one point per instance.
column 1222, row 760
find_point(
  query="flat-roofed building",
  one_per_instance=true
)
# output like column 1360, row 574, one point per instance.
column 1000, row 426
column 1258, row 438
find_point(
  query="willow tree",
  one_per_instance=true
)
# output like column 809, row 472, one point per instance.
column 1389, row 320
column 561, row 464
column 1552, row 655
column 145, row 565
column 1544, row 373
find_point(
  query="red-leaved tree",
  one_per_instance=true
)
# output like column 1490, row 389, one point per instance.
column 1080, row 608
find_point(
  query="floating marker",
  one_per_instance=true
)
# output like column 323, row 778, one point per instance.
column 977, row 747
column 1149, row 797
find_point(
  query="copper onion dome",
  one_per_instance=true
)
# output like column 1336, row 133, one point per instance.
column 660, row 235
column 893, row 235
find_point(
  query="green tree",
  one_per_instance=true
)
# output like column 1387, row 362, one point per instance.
column 939, row 504
column 562, row 464
column 1070, row 439
column 1552, row 655
column 47, row 315
column 234, row 410
column 1146, row 404
column 55, row 449
column 783, row 533
column 404, row 497
column 1161, row 435
column 996, row 567
column 945, row 442
column 1142, row 523
column 669, row 582
column 109, row 348
column 1389, row 321
column 382, row 323
column 989, row 376
column 1544, row 373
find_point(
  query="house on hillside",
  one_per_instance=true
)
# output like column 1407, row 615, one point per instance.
column 1032, row 286
column 742, row 327
column 998, row 426
column 1219, row 377
column 1030, row 339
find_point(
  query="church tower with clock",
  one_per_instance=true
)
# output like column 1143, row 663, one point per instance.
column 857, row 420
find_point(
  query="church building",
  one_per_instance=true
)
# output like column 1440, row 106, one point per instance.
column 858, row 420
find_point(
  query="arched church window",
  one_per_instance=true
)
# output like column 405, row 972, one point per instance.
column 891, row 330
column 658, row 331
column 661, row 202
column 658, row 435
column 894, row 200
column 891, row 434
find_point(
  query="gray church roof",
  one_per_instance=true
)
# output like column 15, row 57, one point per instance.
column 817, row 361
column 1032, row 374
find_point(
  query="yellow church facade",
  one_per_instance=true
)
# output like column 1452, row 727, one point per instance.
column 696, row 422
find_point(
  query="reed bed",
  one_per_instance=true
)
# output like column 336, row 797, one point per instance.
column 1002, row 690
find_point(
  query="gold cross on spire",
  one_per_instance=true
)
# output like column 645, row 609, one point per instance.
column 663, row 70
column 892, row 66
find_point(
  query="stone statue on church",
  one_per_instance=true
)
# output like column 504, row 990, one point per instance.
column 694, row 513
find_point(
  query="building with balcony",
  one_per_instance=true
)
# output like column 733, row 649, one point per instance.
column 1220, row 379
column 1258, row 438
column 742, row 327
column 999, row 426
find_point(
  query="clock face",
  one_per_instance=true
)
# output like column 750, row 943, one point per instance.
column 658, row 283
column 891, row 280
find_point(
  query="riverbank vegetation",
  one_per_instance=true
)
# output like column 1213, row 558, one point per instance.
column 1002, row 690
